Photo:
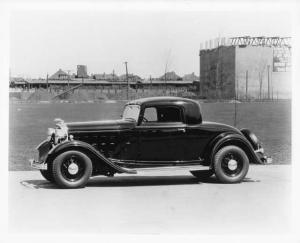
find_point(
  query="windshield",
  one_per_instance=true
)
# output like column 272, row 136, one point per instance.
column 131, row 112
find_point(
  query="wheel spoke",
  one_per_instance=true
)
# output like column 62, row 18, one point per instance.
column 67, row 171
column 225, row 164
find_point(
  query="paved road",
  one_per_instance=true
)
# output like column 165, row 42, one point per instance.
column 154, row 203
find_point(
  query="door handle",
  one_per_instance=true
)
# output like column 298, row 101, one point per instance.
column 181, row 129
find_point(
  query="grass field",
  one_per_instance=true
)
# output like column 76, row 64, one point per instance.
column 271, row 122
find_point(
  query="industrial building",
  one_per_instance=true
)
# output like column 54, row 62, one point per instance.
column 82, row 71
column 246, row 68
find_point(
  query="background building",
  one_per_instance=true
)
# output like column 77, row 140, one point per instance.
column 246, row 68
column 59, row 75
column 109, row 77
column 190, row 77
column 131, row 78
column 82, row 71
column 170, row 76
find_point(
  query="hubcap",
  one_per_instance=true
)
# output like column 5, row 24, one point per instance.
column 232, row 164
column 73, row 168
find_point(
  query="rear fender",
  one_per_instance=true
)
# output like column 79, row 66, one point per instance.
column 98, row 159
column 226, row 139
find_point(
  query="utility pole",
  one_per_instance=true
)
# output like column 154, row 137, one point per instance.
column 268, row 82
column 68, row 71
column 235, row 102
column 237, row 89
column 217, row 78
column 217, row 74
column 113, row 75
column 166, row 69
column 247, row 85
column 68, row 78
column 200, row 88
column 47, row 82
column 260, row 84
column 165, row 83
column 271, row 78
column 127, row 80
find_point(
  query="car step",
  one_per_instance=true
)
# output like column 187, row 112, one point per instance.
column 173, row 168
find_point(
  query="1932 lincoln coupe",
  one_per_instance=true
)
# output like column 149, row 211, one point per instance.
column 153, row 134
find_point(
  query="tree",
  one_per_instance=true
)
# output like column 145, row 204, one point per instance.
column 166, row 68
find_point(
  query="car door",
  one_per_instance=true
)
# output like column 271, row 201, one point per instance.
column 197, row 138
column 161, row 135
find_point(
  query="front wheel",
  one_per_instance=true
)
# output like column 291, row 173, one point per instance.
column 72, row 169
column 231, row 164
column 47, row 175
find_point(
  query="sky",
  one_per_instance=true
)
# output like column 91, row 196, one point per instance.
column 42, row 41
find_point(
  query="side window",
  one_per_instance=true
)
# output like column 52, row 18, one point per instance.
column 169, row 114
column 150, row 115
column 162, row 114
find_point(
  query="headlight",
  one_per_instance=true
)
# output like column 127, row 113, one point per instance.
column 50, row 132
column 60, row 131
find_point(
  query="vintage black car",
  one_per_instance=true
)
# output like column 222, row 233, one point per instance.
column 153, row 134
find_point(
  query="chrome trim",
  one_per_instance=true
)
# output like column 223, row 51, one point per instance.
column 38, row 165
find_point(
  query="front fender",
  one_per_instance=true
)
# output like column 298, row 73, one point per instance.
column 90, row 150
column 236, row 139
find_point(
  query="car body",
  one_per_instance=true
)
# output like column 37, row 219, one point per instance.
column 153, row 134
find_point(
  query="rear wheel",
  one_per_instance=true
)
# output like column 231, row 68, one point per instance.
column 72, row 169
column 231, row 164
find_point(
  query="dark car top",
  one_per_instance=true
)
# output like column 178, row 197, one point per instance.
column 192, row 108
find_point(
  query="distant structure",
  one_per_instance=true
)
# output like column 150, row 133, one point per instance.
column 82, row 71
column 246, row 68
column 131, row 77
column 190, row 77
column 170, row 76
column 109, row 77
column 59, row 75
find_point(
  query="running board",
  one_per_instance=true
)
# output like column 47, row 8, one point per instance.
column 173, row 168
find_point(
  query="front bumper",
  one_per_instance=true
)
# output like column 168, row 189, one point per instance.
column 267, row 160
column 38, row 165
column 262, row 157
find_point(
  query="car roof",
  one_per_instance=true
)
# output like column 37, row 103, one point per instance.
column 159, row 99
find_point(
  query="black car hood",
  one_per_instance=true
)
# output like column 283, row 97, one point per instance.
column 106, row 125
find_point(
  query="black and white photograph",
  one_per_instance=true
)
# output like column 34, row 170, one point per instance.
column 154, row 118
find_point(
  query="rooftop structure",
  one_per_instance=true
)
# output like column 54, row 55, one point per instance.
column 261, row 41
column 59, row 75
